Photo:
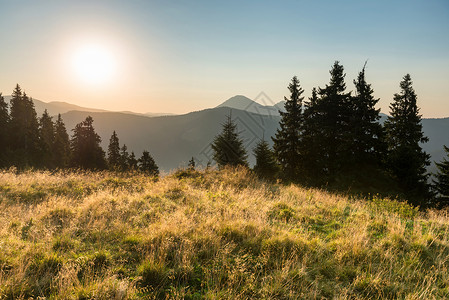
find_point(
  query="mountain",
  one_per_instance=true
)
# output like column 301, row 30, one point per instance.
column 173, row 140
column 56, row 107
column 244, row 103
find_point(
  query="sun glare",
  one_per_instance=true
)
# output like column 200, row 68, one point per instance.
column 94, row 64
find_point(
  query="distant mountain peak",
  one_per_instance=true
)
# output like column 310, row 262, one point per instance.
column 244, row 103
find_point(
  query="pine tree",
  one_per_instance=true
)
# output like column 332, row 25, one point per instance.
column 24, row 130
column 132, row 161
column 406, row 158
column 114, row 152
column 85, row 146
column 61, row 145
column 326, row 143
column 228, row 146
column 148, row 165
column 265, row 166
column 441, row 181
column 366, row 132
column 287, row 141
column 47, row 139
column 4, row 123
column 124, row 158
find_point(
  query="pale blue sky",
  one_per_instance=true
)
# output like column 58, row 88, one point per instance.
column 179, row 56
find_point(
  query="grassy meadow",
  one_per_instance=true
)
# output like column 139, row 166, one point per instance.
column 211, row 235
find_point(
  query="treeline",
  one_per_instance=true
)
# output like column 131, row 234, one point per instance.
column 29, row 141
column 334, row 139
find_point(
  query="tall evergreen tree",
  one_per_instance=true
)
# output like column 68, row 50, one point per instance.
column 124, row 158
column 366, row 132
column 441, row 181
column 61, row 144
column 47, row 139
column 148, row 165
column 4, row 123
column 85, row 146
column 266, row 166
column 287, row 141
column 406, row 158
column 114, row 152
column 132, row 161
column 24, row 130
column 326, row 126
column 228, row 146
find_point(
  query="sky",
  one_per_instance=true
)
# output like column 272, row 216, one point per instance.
column 182, row 56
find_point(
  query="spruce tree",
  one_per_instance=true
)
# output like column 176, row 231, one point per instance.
column 441, row 181
column 24, row 130
column 85, row 146
column 114, row 152
column 228, row 146
column 4, row 123
column 132, row 161
column 406, row 158
column 266, row 166
column 147, row 164
column 287, row 141
column 61, row 145
column 47, row 139
column 366, row 132
column 124, row 158
column 326, row 143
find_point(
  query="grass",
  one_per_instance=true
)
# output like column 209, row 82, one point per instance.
column 211, row 235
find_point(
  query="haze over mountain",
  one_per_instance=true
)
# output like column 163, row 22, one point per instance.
column 173, row 140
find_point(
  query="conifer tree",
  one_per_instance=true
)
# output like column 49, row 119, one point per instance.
column 61, row 145
column 24, row 130
column 406, row 158
column 228, row 146
column 441, row 181
column 124, row 158
column 326, row 143
column 85, row 146
column 132, row 161
column 287, row 140
column 266, row 166
column 4, row 123
column 366, row 132
column 47, row 139
column 148, row 165
column 114, row 152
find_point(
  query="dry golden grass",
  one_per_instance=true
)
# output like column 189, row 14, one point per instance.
column 213, row 235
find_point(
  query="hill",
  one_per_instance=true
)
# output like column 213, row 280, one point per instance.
column 211, row 235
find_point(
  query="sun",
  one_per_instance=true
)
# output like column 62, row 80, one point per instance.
column 94, row 64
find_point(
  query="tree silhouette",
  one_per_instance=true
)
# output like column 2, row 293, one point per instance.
column 265, row 166
column 365, row 130
column 114, row 152
column 287, row 141
column 228, row 146
column 4, row 123
column 61, row 145
column 24, row 130
column 132, row 161
column 47, row 139
column 147, row 164
column 406, row 159
column 85, row 145
column 124, row 158
column 441, row 181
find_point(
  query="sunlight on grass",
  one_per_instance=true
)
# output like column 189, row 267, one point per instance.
column 210, row 234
